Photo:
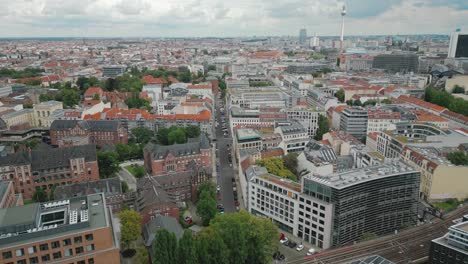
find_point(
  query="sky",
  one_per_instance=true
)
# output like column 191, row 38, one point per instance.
column 227, row 18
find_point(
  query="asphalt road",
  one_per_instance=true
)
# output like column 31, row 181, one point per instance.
column 226, row 172
column 124, row 175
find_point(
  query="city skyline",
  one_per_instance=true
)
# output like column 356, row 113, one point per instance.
column 200, row 18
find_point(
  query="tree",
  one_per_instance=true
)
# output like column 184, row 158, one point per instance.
column 108, row 164
column 141, row 256
column 142, row 135
column 210, row 248
column 125, row 187
column 248, row 239
column 340, row 95
column 139, row 171
column 185, row 76
column 458, row 158
column 45, row 98
column 211, row 67
column 186, row 249
column 130, row 227
column 442, row 98
column 177, row 136
column 368, row 236
column 207, row 207
column 96, row 97
column 135, row 101
column 458, row 90
column 69, row 97
column 34, row 82
column 208, row 187
column 165, row 247
column 290, row 162
column 192, row 131
column 276, row 166
column 39, row 196
column 110, row 84
column 323, row 127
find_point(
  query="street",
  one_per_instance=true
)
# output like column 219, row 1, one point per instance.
column 225, row 172
column 126, row 176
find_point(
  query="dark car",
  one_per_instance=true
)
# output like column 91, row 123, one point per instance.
column 281, row 257
column 287, row 243
column 276, row 255
column 292, row 244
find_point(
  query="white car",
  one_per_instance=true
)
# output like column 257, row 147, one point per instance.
column 300, row 247
column 284, row 240
column 311, row 252
column 218, row 188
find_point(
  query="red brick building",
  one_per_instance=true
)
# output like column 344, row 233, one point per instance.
column 160, row 160
column 46, row 168
column 99, row 132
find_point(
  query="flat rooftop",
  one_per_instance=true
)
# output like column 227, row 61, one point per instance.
column 348, row 178
column 282, row 182
column 25, row 224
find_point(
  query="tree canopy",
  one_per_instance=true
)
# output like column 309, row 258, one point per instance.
column 442, row 98
column 248, row 239
column 277, row 167
column 207, row 204
column 26, row 73
column 323, row 127
column 142, row 135
column 165, row 247
column 130, row 227
column 108, row 162
column 458, row 158
column 174, row 134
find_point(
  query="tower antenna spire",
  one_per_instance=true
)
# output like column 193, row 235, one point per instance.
column 343, row 14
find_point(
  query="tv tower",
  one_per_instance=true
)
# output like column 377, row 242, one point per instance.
column 343, row 14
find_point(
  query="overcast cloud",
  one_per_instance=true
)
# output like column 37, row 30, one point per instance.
column 224, row 18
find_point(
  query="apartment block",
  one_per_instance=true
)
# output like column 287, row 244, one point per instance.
column 78, row 230
column 160, row 159
column 100, row 132
column 46, row 168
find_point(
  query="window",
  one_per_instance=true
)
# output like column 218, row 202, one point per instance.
column 21, row 261
column 7, row 255
column 91, row 261
column 45, row 258
column 68, row 252
column 81, row 262
column 66, row 242
column 77, row 240
column 34, row 260
column 57, row 255
column 89, row 237
column 32, row 250
column 90, row 247
column 43, row 247
column 79, row 250
column 55, row 244
column 19, row 252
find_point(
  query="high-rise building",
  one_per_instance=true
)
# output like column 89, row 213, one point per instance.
column 453, row 247
column 354, row 121
column 458, row 45
column 77, row 230
column 315, row 41
column 302, row 36
column 337, row 209
column 396, row 62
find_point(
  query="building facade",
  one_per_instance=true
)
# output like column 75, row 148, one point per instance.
column 354, row 121
column 77, row 230
column 453, row 247
column 161, row 160
column 100, row 132
column 47, row 168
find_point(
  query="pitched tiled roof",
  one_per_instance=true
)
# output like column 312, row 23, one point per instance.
column 192, row 147
column 60, row 157
column 95, row 125
column 148, row 79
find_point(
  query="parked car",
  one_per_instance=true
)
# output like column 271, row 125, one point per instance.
column 281, row 257
column 310, row 252
column 218, row 188
column 236, row 203
column 284, row 240
column 300, row 247
column 292, row 244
